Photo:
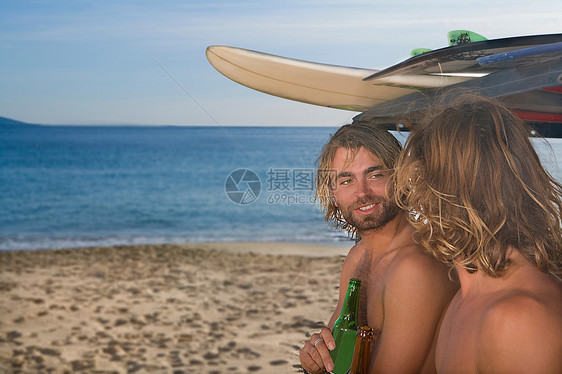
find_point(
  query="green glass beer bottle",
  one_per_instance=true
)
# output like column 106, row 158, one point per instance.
column 362, row 352
column 345, row 329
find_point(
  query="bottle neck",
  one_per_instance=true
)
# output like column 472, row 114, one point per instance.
column 365, row 333
column 351, row 301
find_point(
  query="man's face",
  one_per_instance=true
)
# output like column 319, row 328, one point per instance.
column 359, row 189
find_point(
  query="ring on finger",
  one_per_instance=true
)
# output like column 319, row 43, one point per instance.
column 317, row 341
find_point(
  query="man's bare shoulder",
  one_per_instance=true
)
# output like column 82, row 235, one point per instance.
column 414, row 263
column 520, row 332
column 413, row 274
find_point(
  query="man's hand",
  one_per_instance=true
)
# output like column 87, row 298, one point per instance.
column 315, row 355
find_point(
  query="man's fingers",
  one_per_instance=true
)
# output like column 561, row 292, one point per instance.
column 326, row 335
column 317, row 341
column 322, row 349
column 311, row 360
column 315, row 363
column 324, row 353
column 315, row 355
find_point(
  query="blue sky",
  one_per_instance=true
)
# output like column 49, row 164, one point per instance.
column 91, row 62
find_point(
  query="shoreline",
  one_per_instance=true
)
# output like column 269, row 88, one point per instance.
column 207, row 307
column 240, row 246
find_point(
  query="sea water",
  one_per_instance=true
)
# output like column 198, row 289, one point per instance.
column 79, row 186
column 76, row 186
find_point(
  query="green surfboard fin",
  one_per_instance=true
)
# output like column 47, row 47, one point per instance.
column 458, row 37
column 455, row 37
column 419, row 51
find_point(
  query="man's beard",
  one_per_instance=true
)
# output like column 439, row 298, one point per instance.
column 385, row 212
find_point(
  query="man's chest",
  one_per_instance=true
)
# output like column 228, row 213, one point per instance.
column 371, row 306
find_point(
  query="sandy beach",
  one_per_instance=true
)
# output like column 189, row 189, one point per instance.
column 175, row 308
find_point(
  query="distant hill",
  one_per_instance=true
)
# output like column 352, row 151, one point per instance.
column 12, row 122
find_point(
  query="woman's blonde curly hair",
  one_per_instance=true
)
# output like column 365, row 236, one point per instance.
column 475, row 188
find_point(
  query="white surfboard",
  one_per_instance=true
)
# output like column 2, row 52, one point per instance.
column 332, row 86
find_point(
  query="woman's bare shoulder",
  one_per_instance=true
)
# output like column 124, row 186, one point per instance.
column 521, row 330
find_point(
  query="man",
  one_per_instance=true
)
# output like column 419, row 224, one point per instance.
column 484, row 205
column 404, row 290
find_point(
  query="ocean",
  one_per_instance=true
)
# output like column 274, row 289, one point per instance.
column 82, row 186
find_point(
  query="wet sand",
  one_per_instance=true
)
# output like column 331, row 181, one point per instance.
column 185, row 308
